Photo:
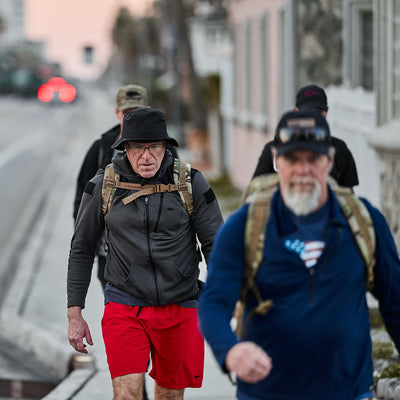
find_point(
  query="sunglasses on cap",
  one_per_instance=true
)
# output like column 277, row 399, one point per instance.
column 298, row 133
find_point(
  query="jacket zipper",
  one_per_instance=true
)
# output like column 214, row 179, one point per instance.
column 159, row 212
column 146, row 202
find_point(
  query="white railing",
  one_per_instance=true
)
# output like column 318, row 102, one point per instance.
column 352, row 118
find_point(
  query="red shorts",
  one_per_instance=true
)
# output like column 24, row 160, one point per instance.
column 169, row 333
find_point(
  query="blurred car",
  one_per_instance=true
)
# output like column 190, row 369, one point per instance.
column 56, row 89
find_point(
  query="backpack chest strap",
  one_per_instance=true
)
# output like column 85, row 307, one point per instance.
column 150, row 189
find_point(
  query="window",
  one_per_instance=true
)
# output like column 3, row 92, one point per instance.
column 358, row 43
column 387, row 59
column 248, row 80
column 88, row 55
column 366, row 44
column 264, row 65
column 287, row 58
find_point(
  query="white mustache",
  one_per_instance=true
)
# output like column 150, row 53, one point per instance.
column 302, row 180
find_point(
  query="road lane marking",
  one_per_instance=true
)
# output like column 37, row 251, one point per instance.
column 19, row 146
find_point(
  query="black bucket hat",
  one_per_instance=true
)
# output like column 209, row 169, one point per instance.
column 143, row 125
column 302, row 130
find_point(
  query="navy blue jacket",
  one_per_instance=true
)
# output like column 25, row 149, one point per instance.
column 317, row 332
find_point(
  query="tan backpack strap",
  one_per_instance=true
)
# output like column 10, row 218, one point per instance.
column 361, row 226
column 123, row 185
column 363, row 232
column 184, row 170
column 182, row 178
column 257, row 218
column 149, row 189
column 110, row 181
column 259, row 195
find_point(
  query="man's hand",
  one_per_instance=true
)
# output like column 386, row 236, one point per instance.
column 78, row 329
column 249, row 362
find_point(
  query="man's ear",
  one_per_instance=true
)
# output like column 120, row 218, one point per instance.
column 119, row 114
column 331, row 157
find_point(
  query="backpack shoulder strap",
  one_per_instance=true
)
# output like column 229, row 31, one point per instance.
column 183, row 179
column 361, row 225
column 110, row 182
column 258, row 194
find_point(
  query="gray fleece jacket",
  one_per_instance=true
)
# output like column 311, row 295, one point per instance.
column 152, row 247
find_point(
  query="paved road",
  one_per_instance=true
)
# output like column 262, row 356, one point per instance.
column 34, row 136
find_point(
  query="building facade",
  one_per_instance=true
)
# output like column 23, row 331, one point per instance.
column 76, row 34
column 259, row 83
column 278, row 46
column 352, row 49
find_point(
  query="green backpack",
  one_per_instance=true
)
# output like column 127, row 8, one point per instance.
column 182, row 184
column 259, row 194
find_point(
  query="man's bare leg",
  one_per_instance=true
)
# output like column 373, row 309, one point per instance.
column 162, row 393
column 128, row 387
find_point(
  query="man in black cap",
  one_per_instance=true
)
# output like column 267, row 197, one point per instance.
column 153, row 260
column 306, row 319
column 100, row 153
column 313, row 98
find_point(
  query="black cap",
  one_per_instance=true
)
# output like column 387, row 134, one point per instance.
column 302, row 130
column 311, row 97
column 144, row 125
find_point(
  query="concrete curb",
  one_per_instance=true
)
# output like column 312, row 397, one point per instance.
column 43, row 346
column 71, row 385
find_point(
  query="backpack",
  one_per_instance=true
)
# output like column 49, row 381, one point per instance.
column 259, row 194
column 182, row 184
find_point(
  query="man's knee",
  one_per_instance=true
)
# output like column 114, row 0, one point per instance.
column 128, row 387
column 162, row 393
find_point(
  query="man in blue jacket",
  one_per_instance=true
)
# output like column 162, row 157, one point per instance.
column 314, row 343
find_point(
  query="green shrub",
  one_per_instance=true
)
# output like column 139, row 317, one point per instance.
column 391, row 371
column 382, row 350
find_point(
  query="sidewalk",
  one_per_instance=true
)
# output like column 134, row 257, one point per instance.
column 34, row 314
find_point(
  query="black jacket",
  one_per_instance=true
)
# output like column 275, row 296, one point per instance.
column 98, row 157
column 152, row 246
column 344, row 169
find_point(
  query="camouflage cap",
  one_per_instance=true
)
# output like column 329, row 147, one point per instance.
column 131, row 96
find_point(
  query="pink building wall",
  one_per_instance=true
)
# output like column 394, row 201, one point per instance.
column 249, row 137
column 67, row 26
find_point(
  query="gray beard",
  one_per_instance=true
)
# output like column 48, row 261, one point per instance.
column 303, row 203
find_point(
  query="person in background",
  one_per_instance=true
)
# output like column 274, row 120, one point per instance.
column 152, row 269
column 314, row 343
column 100, row 153
column 344, row 171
